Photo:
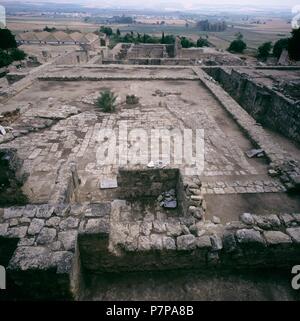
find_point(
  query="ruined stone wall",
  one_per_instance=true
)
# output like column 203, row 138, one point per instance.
column 147, row 50
column 270, row 108
column 146, row 183
column 153, row 61
column 192, row 53
column 72, row 58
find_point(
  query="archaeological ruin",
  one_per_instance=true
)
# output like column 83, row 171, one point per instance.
column 74, row 227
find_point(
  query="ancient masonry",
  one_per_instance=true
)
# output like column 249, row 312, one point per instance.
column 56, row 221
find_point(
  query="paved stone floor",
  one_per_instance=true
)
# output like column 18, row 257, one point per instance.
column 70, row 124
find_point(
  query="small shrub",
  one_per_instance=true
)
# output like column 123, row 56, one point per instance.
column 132, row 100
column 107, row 101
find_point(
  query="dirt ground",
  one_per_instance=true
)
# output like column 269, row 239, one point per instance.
column 192, row 286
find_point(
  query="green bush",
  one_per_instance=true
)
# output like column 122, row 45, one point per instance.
column 5, row 59
column 237, row 46
column 186, row 43
column 264, row 50
column 107, row 101
column 132, row 100
column 202, row 42
column 17, row 54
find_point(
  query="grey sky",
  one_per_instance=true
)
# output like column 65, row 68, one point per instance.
column 175, row 4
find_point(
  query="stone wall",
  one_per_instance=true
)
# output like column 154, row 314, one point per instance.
column 270, row 108
column 72, row 58
column 254, row 242
column 47, row 249
column 134, row 184
column 153, row 61
column 11, row 179
column 147, row 51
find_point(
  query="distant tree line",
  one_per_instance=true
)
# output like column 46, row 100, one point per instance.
column 292, row 45
column 8, row 48
column 267, row 49
column 49, row 29
column 115, row 19
column 205, row 25
column 132, row 37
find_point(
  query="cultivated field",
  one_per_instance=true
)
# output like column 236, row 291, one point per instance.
column 254, row 34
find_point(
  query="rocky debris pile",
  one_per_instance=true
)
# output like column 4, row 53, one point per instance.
column 9, row 117
column 168, row 199
column 160, row 93
column 290, row 89
column 289, row 174
column 157, row 164
column 255, row 153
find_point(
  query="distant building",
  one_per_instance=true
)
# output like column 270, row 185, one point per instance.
column 58, row 38
column 205, row 25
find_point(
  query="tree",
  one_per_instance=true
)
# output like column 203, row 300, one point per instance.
column 264, row 50
column 17, row 54
column 163, row 38
column 294, row 45
column 238, row 45
column 279, row 46
column 49, row 29
column 7, row 39
column 118, row 32
column 107, row 30
column 201, row 42
column 169, row 40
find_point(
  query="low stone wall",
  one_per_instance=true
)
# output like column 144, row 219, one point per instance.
column 254, row 242
column 268, row 107
column 72, row 58
column 45, row 257
column 153, row 61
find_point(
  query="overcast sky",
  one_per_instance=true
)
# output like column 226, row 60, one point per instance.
column 176, row 4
